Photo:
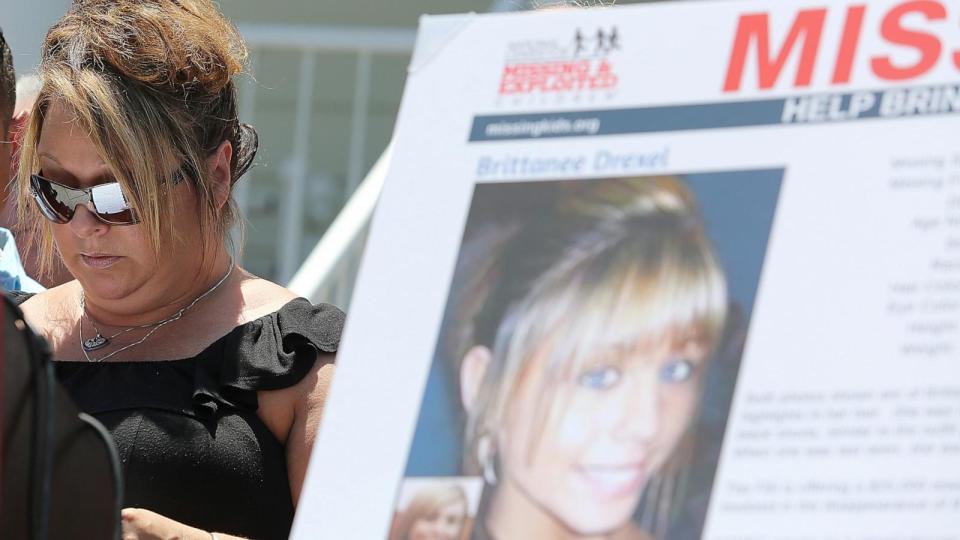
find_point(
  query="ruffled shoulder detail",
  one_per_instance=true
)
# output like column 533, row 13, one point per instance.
column 273, row 352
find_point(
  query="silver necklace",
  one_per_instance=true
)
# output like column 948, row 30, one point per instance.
column 100, row 341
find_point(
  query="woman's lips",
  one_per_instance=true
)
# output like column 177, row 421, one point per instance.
column 614, row 481
column 99, row 261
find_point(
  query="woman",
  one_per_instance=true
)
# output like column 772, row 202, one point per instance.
column 211, row 380
column 437, row 512
column 584, row 343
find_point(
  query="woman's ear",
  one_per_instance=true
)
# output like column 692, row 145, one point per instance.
column 472, row 370
column 221, row 175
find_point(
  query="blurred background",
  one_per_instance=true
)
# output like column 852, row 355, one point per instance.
column 327, row 78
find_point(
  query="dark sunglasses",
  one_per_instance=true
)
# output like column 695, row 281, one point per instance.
column 107, row 202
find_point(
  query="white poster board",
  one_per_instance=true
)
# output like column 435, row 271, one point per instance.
column 677, row 270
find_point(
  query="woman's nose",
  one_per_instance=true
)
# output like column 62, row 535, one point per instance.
column 640, row 414
column 85, row 224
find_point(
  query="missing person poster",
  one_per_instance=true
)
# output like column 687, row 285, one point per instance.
column 676, row 271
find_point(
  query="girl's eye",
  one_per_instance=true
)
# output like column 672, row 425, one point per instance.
column 600, row 378
column 677, row 371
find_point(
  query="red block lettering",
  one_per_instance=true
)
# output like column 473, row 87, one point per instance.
column 928, row 45
column 755, row 27
column 848, row 44
column 956, row 59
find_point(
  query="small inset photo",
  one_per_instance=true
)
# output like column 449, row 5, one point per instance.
column 436, row 508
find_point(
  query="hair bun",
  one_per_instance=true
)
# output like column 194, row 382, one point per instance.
column 179, row 46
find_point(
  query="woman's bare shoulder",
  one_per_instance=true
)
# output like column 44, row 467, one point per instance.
column 262, row 297
column 51, row 309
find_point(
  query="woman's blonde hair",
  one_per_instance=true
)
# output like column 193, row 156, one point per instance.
column 426, row 504
column 151, row 83
column 612, row 262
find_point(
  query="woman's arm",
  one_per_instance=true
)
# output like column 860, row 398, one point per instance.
column 307, row 412
column 293, row 416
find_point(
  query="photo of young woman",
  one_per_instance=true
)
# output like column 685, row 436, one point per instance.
column 436, row 509
column 578, row 337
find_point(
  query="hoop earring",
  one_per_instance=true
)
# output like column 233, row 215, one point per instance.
column 486, row 456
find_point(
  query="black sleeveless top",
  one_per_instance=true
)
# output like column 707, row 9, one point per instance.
column 191, row 445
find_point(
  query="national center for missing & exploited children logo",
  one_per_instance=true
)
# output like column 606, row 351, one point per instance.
column 580, row 66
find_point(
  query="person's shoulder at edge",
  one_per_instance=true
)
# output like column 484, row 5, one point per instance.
column 45, row 310
column 262, row 297
column 12, row 275
column 319, row 322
